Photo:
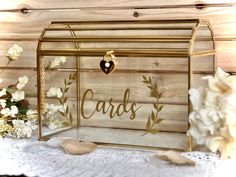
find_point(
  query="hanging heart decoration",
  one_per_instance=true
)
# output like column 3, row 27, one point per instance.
column 107, row 67
column 108, row 63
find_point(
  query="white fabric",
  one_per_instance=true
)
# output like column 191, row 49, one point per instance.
column 34, row 158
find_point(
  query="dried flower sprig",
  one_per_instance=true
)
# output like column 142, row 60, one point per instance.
column 12, row 54
column 155, row 92
column 16, row 119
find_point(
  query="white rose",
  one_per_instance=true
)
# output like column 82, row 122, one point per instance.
column 57, row 61
column 18, row 95
column 54, row 92
column 213, row 120
column 219, row 82
column 22, row 81
column 195, row 98
column 228, row 101
column 3, row 92
column 14, row 52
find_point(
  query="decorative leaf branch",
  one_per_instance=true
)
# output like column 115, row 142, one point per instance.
column 63, row 100
column 153, row 119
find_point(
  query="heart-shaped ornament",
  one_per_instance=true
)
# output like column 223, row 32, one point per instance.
column 107, row 66
column 75, row 147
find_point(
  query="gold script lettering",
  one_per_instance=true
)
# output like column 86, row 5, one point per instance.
column 82, row 104
column 113, row 111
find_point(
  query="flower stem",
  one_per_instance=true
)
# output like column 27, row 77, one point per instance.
column 5, row 66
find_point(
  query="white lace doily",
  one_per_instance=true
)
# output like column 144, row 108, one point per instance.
column 34, row 158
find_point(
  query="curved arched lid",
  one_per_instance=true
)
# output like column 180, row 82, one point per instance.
column 162, row 38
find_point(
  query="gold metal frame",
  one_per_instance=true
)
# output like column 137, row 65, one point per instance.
column 72, row 26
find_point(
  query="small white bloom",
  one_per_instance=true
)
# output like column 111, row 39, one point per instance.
column 22, row 81
column 14, row 111
column 14, row 52
column 5, row 112
column 10, row 111
column 23, row 129
column 18, row 95
column 3, row 103
column 54, row 92
column 62, row 108
column 57, row 61
column 3, row 92
column 32, row 124
column 54, row 124
column 51, row 108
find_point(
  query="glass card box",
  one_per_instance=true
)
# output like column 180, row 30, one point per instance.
column 122, row 82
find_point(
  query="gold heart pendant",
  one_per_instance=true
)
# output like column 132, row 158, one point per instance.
column 107, row 66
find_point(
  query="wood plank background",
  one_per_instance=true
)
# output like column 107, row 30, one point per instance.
column 21, row 22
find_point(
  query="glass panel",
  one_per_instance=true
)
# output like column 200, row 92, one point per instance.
column 139, row 103
column 60, row 103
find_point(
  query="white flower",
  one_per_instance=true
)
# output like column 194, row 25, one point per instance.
column 22, row 81
column 6, row 112
column 18, row 95
column 219, row 82
column 14, row 52
column 195, row 98
column 57, row 61
column 3, row 103
column 62, row 108
column 10, row 111
column 54, row 124
column 54, row 92
column 23, row 129
column 51, row 108
column 213, row 120
column 3, row 92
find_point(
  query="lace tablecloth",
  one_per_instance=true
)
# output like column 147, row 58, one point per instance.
column 34, row 158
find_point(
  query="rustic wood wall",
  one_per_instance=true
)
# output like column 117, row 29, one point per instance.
column 21, row 22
